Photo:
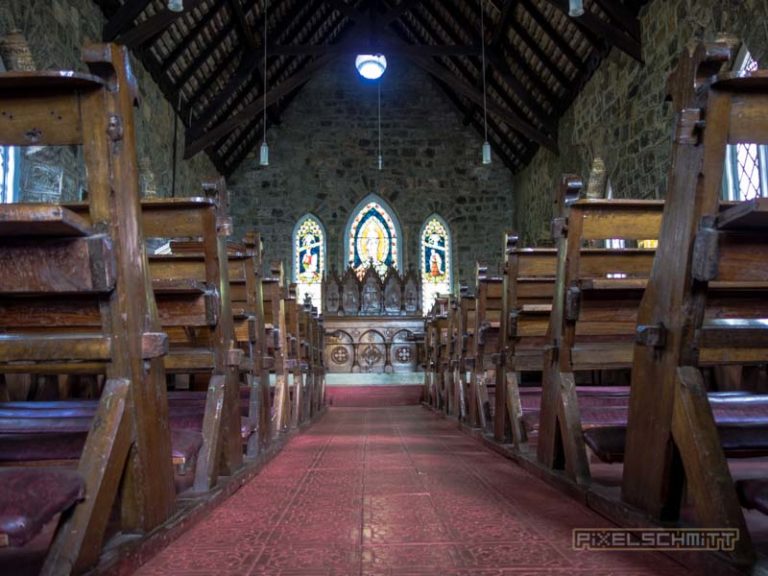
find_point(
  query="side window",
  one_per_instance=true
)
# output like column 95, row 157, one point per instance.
column 8, row 174
column 745, row 175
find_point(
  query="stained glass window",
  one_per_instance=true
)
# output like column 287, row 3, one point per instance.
column 373, row 239
column 746, row 176
column 435, row 260
column 309, row 258
column 8, row 174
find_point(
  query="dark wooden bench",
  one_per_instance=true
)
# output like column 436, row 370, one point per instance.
column 488, row 304
column 528, row 287
column 274, row 291
column 594, row 307
column 192, row 292
column 63, row 267
column 672, row 439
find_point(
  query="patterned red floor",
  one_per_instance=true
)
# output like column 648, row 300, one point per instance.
column 373, row 396
column 395, row 491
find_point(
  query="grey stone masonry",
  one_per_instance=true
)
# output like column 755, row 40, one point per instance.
column 621, row 115
column 56, row 30
column 323, row 160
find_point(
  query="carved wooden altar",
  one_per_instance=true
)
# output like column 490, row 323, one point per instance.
column 371, row 321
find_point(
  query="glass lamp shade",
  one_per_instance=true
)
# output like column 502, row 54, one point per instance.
column 575, row 8
column 264, row 154
column 486, row 153
column 371, row 66
column 176, row 5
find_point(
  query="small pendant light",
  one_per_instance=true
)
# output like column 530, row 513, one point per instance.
column 575, row 8
column 176, row 5
column 264, row 152
column 486, row 144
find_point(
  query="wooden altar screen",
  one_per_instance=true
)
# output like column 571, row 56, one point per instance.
column 372, row 324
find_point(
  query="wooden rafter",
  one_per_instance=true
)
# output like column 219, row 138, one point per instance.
column 530, row 78
column 612, row 34
column 513, row 120
column 248, row 65
column 123, row 19
column 556, row 38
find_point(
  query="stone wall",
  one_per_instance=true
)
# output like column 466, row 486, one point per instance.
column 621, row 115
column 323, row 160
column 56, row 30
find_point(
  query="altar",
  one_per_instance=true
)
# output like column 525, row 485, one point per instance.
column 373, row 322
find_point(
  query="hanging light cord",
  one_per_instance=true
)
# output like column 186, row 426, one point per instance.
column 265, row 71
column 379, row 115
column 482, row 45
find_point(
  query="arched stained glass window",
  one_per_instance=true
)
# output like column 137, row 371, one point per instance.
column 309, row 258
column 435, row 260
column 373, row 237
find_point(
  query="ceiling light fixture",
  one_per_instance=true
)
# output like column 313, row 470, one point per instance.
column 176, row 5
column 486, row 144
column 371, row 66
column 264, row 152
column 575, row 8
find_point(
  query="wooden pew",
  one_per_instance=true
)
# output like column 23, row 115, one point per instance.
column 65, row 267
column 191, row 286
column 528, row 287
column 295, row 343
column 672, row 439
column 466, row 351
column 261, row 402
column 275, row 321
column 592, row 322
column 488, row 296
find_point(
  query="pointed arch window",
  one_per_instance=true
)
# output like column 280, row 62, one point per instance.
column 435, row 260
column 309, row 258
column 373, row 237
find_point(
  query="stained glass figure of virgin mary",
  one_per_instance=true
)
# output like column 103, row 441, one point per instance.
column 372, row 240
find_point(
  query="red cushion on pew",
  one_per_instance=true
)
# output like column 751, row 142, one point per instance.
column 36, row 447
column 50, row 446
column 753, row 493
column 31, row 497
column 739, row 440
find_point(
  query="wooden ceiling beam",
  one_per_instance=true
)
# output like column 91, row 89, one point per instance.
column 622, row 16
column 123, row 19
column 379, row 47
column 192, row 34
column 514, row 121
column 506, row 14
column 602, row 29
column 554, row 36
column 195, row 145
column 249, row 38
column 272, row 96
column 210, row 48
column 240, row 77
column 545, row 59
column 502, row 67
column 144, row 32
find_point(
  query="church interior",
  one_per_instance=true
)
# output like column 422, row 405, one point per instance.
column 368, row 287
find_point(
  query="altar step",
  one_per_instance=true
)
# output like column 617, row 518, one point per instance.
column 373, row 396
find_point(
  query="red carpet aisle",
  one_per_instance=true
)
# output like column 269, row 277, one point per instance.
column 394, row 491
column 373, row 396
